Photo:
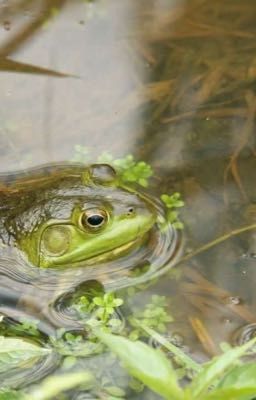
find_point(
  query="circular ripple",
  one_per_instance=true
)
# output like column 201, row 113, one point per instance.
column 21, row 377
column 244, row 334
column 45, row 288
column 154, row 257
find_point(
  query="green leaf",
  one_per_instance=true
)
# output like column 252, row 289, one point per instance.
column 248, row 393
column 115, row 391
column 148, row 365
column 178, row 225
column 117, row 302
column 54, row 385
column 15, row 352
column 98, row 301
column 216, row 368
column 240, row 377
column 143, row 182
column 11, row 395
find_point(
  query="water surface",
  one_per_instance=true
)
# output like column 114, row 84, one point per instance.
column 171, row 82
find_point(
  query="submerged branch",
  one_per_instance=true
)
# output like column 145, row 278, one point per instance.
column 217, row 241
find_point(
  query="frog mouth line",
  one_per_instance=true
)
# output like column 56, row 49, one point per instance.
column 112, row 253
column 105, row 256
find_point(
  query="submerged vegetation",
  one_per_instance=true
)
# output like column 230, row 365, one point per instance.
column 137, row 338
column 95, row 309
column 222, row 377
column 196, row 100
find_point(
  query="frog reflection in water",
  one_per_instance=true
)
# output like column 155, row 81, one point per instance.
column 74, row 219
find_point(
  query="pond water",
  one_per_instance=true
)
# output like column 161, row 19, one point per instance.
column 171, row 83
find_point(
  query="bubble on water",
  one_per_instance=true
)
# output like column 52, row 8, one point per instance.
column 248, row 256
column 233, row 300
column 32, row 372
column 227, row 320
column 244, row 255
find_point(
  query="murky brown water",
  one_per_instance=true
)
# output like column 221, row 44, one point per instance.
column 171, row 82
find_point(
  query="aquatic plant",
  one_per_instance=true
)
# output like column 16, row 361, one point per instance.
column 99, row 314
column 222, row 377
column 153, row 315
column 218, row 379
column 172, row 202
column 129, row 170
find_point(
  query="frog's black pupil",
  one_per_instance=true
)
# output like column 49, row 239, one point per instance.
column 95, row 220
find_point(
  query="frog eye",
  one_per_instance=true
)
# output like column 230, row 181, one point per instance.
column 93, row 219
column 102, row 173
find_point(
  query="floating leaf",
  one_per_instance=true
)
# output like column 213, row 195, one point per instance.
column 15, row 352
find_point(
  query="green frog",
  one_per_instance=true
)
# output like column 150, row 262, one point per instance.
column 78, row 223
column 79, row 218
column 65, row 230
column 65, row 226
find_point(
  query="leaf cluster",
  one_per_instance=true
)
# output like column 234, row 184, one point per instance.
column 217, row 380
column 172, row 202
column 154, row 315
column 128, row 170
column 133, row 172
column 100, row 310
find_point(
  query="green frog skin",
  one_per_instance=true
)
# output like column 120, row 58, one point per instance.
column 72, row 216
column 70, row 226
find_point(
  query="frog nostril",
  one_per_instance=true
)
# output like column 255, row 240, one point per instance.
column 130, row 211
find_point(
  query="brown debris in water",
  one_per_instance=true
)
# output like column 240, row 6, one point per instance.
column 203, row 336
column 205, row 296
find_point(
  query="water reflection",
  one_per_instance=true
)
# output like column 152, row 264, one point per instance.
column 173, row 83
column 95, row 48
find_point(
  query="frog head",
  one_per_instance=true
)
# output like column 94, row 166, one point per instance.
column 82, row 219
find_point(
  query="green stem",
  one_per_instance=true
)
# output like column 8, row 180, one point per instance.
column 189, row 363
